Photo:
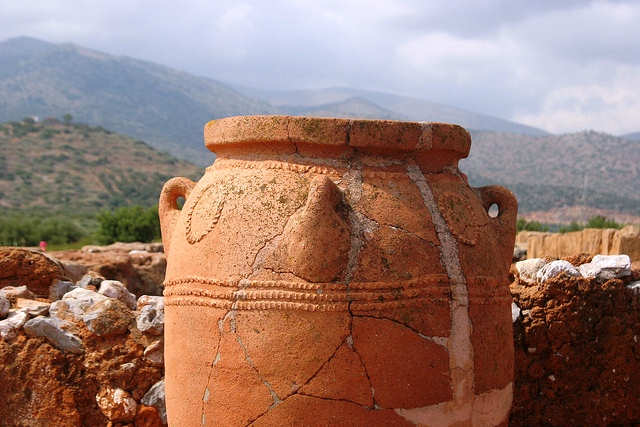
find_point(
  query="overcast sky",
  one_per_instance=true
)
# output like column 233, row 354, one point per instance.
column 559, row 65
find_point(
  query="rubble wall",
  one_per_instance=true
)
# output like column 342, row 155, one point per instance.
column 577, row 346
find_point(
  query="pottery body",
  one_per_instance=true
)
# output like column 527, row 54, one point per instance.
column 337, row 272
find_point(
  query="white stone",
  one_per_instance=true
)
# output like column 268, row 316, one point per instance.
column 554, row 268
column 151, row 319
column 16, row 292
column 116, row 404
column 4, row 307
column 606, row 267
column 155, row 397
column 59, row 288
column 528, row 269
column 151, row 314
column 150, row 300
column 32, row 307
column 14, row 321
column 635, row 287
column 76, row 303
column 154, row 353
column 117, row 290
column 90, row 279
column 51, row 329
column 17, row 317
column 108, row 317
column 515, row 312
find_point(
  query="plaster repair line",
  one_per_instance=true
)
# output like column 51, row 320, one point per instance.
column 459, row 342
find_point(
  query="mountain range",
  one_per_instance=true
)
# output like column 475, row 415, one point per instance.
column 589, row 169
column 348, row 102
column 635, row 136
column 167, row 109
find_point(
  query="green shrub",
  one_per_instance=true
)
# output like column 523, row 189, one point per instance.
column 524, row 225
column 129, row 224
column 30, row 229
column 602, row 222
column 574, row 226
column 597, row 221
column 47, row 133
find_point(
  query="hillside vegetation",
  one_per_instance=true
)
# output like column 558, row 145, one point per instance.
column 166, row 107
column 53, row 167
column 586, row 168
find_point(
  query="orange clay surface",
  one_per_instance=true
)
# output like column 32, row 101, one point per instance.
column 337, row 272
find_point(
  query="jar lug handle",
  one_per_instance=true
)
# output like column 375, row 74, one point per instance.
column 168, row 210
column 505, row 222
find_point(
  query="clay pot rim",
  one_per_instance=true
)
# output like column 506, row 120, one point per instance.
column 366, row 134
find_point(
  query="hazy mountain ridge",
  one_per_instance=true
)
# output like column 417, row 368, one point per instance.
column 166, row 107
column 350, row 107
column 399, row 107
column 585, row 168
column 56, row 167
column 635, row 136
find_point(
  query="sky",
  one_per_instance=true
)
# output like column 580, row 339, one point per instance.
column 563, row 65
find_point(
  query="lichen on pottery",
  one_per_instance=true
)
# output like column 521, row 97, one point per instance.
column 337, row 272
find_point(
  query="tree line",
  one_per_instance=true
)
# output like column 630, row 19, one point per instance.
column 124, row 224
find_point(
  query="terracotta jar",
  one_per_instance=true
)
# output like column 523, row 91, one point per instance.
column 337, row 272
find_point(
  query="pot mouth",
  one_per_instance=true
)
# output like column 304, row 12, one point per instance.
column 369, row 135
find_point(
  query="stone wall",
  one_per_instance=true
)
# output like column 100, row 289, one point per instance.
column 591, row 241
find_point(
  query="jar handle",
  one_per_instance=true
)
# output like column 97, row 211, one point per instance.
column 504, row 223
column 168, row 209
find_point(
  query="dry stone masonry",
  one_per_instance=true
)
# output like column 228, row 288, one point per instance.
column 78, row 357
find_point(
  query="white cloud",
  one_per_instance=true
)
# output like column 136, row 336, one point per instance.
column 612, row 106
column 560, row 65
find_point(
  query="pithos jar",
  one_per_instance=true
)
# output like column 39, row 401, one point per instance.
column 337, row 272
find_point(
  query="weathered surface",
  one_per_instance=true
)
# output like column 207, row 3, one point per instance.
column 45, row 386
column 10, row 326
column 148, row 416
column 154, row 353
column 13, row 292
column 316, row 252
column 155, row 397
column 90, row 279
column 555, row 268
column 32, row 307
column 108, row 317
column 116, row 404
column 115, row 289
column 577, row 352
column 4, row 307
column 151, row 315
column 52, row 329
column 605, row 267
column 59, row 288
column 528, row 269
column 31, row 268
column 74, row 304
